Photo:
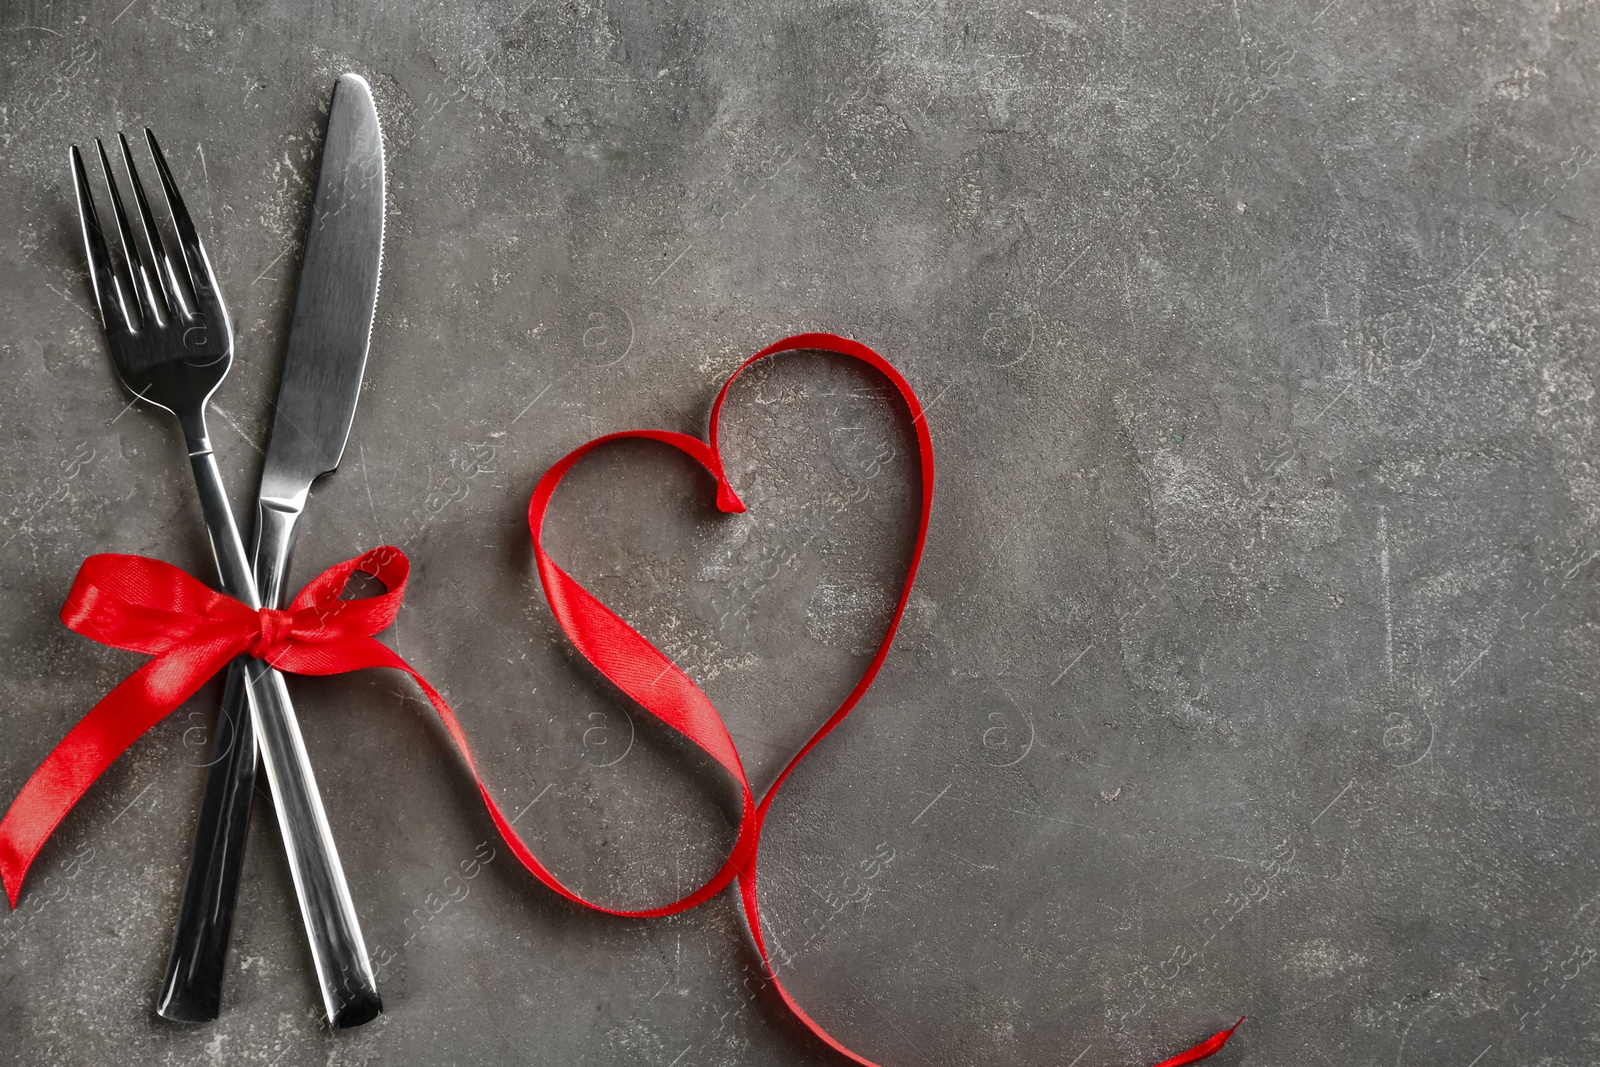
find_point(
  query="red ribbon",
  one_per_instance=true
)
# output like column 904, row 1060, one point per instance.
column 656, row 684
column 192, row 632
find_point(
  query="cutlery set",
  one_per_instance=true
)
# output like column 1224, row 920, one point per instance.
column 172, row 343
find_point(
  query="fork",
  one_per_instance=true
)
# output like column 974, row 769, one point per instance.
column 172, row 347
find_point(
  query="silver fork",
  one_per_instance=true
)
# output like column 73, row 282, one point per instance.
column 172, row 348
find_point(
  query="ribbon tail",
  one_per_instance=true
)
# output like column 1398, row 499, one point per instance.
column 368, row 652
column 752, row 912
column 121, row 718
column 751, row 900
column 1205, row 1048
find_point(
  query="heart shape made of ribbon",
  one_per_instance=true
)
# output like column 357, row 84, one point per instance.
column 651, row 680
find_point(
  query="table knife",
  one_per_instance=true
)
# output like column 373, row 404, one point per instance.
column 317, row 394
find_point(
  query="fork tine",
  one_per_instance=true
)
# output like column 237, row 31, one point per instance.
column 130, row 248
column 102, row 275
column 168, row 281
column 201, row 281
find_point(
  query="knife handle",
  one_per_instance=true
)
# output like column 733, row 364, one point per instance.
column 349, row 990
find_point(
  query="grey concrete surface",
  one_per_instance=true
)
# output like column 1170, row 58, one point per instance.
column 1253, row 662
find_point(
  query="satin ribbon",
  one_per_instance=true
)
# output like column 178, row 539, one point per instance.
column 192, row 632
column 656, row 684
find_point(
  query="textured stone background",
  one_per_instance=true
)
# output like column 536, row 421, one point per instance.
column 1252, row 662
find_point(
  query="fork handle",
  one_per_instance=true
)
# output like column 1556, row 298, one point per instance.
column 349, row 990
column 191, row 989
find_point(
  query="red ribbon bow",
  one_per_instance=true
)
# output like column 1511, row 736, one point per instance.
column 144, row 605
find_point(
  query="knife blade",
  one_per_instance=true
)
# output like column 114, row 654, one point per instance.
column 317, row 393
column 334, row 306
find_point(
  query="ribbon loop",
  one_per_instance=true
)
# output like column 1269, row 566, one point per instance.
column 144, row 605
